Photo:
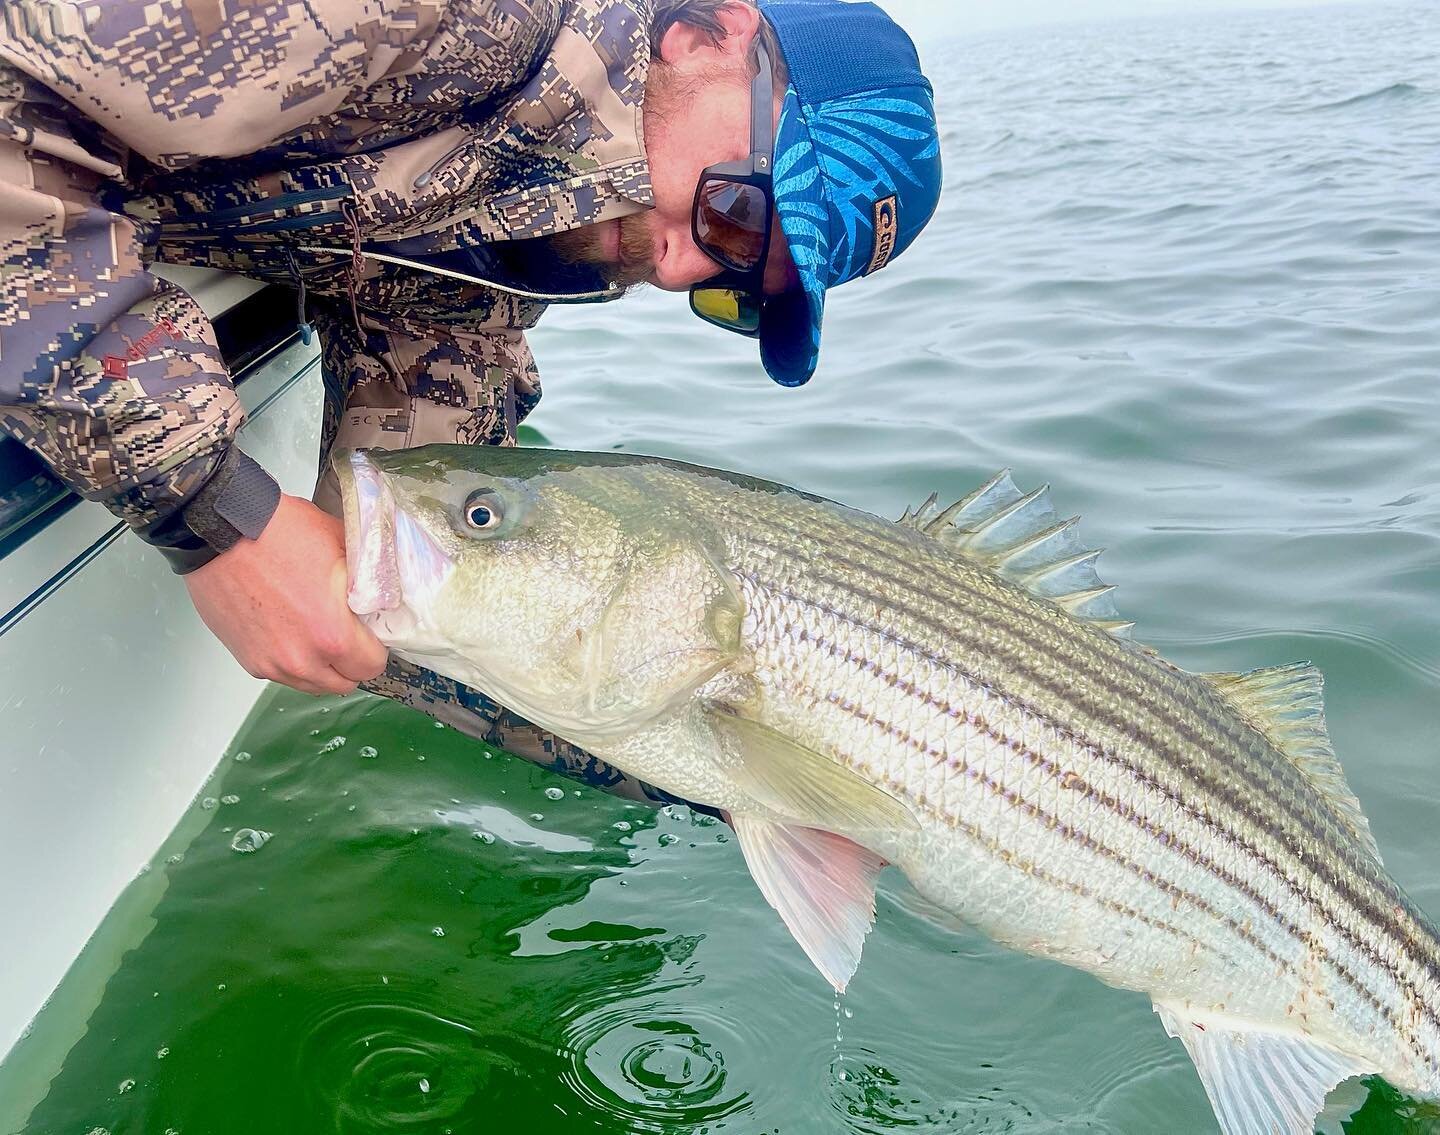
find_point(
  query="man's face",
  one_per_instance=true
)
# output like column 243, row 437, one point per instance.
column 696, row 113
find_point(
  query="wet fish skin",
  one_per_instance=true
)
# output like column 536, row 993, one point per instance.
column 855, row 691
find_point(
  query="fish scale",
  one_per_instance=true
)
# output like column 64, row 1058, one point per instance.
column 949, row 694
column 1212, row 847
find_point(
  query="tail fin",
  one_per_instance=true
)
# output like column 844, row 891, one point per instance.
column 1259, row 1083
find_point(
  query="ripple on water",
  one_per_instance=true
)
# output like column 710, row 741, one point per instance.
column 655, row 1062
column 380, row 1065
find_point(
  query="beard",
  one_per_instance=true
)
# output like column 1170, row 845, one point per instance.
column 586, row 246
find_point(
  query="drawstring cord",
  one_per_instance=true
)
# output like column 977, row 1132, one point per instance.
column 307, row 329
column 357, row 263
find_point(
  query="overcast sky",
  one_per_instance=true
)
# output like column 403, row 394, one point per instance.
column 937, row 19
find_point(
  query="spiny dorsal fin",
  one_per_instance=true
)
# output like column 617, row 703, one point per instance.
column 1287, row 704
column 1020, row 536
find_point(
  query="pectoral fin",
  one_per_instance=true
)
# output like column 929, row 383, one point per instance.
column 806, row 786
column 822, row 885
column 1259, row 1081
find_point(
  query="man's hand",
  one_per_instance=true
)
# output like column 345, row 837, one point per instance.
column 278, row 604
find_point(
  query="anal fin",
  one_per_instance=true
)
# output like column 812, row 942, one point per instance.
column 821, row 884
column 1259, row 1082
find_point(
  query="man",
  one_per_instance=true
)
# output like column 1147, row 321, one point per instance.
column 429, row 175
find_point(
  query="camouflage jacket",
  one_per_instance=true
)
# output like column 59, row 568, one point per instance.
column 381, row 151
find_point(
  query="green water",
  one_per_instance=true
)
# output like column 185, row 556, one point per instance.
column 439, row 938
column 1189, row 272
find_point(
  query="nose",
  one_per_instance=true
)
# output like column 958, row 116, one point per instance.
column 679, row 262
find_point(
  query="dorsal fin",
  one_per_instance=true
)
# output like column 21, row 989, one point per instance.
column 1020, row 536
column 1287, row 704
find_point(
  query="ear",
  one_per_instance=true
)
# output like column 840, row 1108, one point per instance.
column 685, row 42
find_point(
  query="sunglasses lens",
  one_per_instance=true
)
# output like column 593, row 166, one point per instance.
column 731, row 221
column 727, row 307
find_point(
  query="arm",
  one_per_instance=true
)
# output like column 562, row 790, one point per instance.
column 113, row 378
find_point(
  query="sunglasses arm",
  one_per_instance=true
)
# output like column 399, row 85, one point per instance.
column 762, row 111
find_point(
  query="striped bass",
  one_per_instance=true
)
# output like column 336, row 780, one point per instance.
column 953, row 694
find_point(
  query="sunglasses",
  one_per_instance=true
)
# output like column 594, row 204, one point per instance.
column 731, row 218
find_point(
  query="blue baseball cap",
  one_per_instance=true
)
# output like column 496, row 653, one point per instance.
column 857, row 162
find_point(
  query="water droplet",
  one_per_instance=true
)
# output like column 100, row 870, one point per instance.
column 420, row 756
column 178, row 857
column 98, row 1131
column 537, row 816
column 334, row 743
column 424, row 1084
column 351, row 808
column 242, row 755
column 208, row 802
column 553, row 793
column 483, row 837
column 439, row 725
column 230, row 798
column 384, row 980
column 247, row 840
column 438, row 931
column 221, row 987
column 161, row 1053
column 369, row 752
column 126, row 1085
column 666, row 839
column 621, row 825
column 314, row 732
column 576, row 794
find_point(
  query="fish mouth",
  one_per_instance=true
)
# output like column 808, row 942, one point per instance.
column 394, row 566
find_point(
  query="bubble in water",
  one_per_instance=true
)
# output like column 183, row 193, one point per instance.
column 439, row 725
column 369, row 752
column 161, row 1053
column 419, row 756
column 314, row 732
column 666, row 839
column 483, row 837
column 178, row 857
column 537, row 816
column 242, row 755
column 221, row 987
column 126, row 1085
column 424, row 1085
column 621, row 825
column 438, row 931
column 334, row 743
column 247, row 840
column 230, row 798
column 98, row 1131
column 208, row 803
column 555, row 793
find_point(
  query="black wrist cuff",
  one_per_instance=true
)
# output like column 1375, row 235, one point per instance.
column 234, row 504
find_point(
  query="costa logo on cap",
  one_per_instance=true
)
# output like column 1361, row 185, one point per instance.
column 887, row 224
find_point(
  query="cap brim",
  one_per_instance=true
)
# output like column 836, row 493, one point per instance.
column 790, row 323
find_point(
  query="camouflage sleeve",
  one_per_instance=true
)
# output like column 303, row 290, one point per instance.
column 110, row 375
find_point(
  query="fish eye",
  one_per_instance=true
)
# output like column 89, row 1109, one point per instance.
column 483, row 510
